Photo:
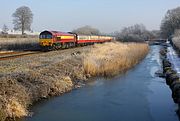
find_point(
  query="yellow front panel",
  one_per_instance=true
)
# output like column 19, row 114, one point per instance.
column 45, row 42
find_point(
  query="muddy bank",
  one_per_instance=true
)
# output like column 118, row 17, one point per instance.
column 31, row 78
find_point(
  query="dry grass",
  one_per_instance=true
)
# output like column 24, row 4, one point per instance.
column 18, row 43
column 14, row 108
column 111, row 58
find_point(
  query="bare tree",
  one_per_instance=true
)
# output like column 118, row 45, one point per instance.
column 171, row 22
column 23, row 18
column 155, row 34
column 5, row 29
column 87, row 30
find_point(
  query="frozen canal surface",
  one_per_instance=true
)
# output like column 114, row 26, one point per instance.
column 137, row 95
column 174, row 59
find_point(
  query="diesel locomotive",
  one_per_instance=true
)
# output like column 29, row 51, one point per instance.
column 57, row 39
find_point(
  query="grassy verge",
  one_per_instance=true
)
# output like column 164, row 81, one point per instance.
column 28, row 79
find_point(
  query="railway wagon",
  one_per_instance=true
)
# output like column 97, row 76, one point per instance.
column 84, row 39
column 55, row 39
column 93, row 39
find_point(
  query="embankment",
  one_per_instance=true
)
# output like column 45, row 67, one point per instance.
column 30, row 78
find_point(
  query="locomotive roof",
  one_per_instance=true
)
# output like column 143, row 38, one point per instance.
column 56, row 33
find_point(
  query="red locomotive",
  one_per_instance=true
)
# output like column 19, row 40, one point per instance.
column 56, row 39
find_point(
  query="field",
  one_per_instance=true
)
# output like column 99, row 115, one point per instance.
column 30, row 78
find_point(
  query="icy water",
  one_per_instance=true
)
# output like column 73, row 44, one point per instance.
column 137, row 95
column 174, row 58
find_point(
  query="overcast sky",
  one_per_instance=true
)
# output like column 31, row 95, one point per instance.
column 106, row 15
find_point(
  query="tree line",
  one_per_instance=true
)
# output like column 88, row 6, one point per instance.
column 135, row 33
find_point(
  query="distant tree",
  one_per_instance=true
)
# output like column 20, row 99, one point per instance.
column 23, row 18
column 155, row 34
column 135, row 33
column 5, row 29
column 171, row 22
column 87, row 30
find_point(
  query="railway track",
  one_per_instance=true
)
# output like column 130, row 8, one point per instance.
column 10, row 55
column 15, row 54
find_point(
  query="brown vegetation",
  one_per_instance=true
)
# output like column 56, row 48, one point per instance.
column 19, row 43
column 30, row 78
column 111, row 58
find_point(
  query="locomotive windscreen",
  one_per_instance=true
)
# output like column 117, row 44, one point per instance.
column 45, row 35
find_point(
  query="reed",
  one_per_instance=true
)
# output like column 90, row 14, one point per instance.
column 112, row 58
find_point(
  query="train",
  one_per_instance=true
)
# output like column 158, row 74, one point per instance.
column 51, row 40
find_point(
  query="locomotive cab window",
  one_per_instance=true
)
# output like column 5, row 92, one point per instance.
column 42, row 36
column 49, row 36
column 45, row 36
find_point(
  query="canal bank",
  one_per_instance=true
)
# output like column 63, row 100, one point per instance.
column 137, row 95
column 171, row 71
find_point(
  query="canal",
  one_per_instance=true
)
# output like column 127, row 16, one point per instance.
column 137, row 95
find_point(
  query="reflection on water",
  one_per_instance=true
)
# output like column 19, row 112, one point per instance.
column 137, row 95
